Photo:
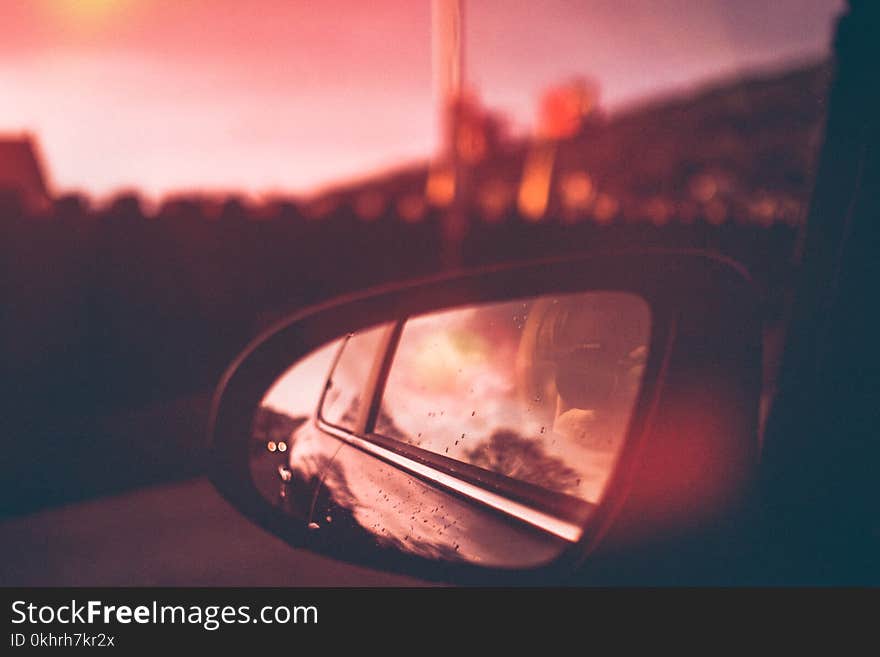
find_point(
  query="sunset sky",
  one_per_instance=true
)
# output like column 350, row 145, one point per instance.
column 286, row 95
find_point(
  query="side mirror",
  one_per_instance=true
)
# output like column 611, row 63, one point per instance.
column 509, row 424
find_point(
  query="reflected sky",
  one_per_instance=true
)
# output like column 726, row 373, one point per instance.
column 297, row 391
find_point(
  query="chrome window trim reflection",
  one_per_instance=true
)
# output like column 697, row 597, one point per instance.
column 387, row 343
column 559, row 527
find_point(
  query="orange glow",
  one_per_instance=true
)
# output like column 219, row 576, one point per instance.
column 440, row 188
column 534, row 191
column 369, row 205
column 494, row 199
column 658, row 211
column 321, row 208
column 563, row 109
column 271, row 446
column 704, row 188
column 764, row 209
column 471, row 143
column 411, row 208
column 444, row 353
column 85, row 14
column 577, row 190
column 605, row 208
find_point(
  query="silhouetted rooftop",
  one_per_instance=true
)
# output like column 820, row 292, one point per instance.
column 21, row 173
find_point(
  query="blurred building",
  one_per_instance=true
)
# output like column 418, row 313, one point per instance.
column 21, row 173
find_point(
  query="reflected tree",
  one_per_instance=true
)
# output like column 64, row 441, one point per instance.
column 512, row 455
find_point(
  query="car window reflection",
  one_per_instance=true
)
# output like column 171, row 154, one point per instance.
column 345, row 386
column 539, row 390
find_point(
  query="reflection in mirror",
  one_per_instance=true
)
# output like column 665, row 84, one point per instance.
column 496, row 429
column 282, row 431
column 288, row 452
column 343, row 404
column 539, row 391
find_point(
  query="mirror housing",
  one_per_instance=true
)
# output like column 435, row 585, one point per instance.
column 691, row 448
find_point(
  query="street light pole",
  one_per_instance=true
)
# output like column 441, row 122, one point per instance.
column 447, row 171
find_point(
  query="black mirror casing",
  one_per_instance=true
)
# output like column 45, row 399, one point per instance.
column 692, row 446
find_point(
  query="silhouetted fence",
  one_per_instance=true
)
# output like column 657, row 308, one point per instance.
column 114, row 307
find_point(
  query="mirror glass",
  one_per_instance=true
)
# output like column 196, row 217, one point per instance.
column 485, row 433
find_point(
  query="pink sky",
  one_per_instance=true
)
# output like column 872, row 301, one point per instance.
column 281, row 95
